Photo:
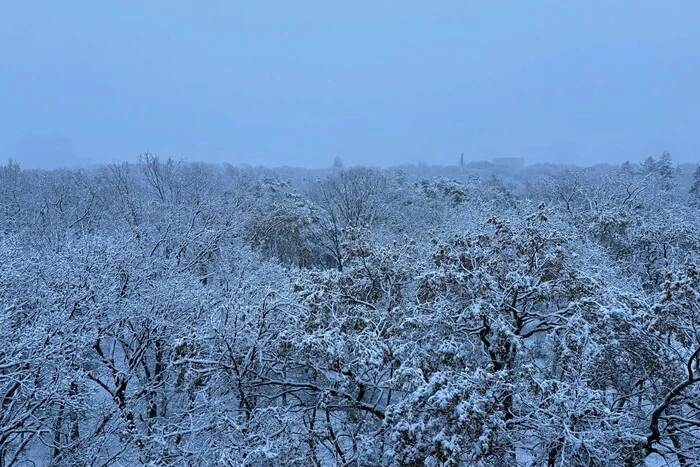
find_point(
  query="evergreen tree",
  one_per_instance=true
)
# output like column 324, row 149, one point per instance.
column 649, row 165
column 695, row 187
column 665, row 168
column 627, row 168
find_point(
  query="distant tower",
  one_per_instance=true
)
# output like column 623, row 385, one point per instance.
column 461, row 160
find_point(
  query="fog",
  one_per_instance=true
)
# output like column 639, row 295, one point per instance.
column 377, row 83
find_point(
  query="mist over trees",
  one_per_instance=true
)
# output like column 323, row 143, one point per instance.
column 174, row 313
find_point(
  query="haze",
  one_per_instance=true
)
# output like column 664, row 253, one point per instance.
column 377, row 83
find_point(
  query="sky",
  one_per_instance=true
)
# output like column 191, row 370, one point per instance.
column 374, row 82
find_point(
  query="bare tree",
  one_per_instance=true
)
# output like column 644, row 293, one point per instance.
column 351, row 199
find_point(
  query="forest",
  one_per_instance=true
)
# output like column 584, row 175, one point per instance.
column 173, row 313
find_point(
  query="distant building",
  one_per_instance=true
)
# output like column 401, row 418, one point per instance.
column 510, row 163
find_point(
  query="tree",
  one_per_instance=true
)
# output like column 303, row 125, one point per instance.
column 665, row 168
column 340, row 361
column 650, row 165
column 674, row 425
column 286, row 231
column 176, row 314
column 695, row 187
column 162, row 177
column 9, row 193
column 350, row 199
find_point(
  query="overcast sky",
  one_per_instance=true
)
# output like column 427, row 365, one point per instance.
column 375, row 82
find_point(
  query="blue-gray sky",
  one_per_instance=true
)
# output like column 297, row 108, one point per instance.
column 375, row 82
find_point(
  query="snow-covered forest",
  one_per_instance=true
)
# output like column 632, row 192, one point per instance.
column 172, row 313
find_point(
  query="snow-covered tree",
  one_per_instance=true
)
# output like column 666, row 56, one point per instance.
column 173, row 313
